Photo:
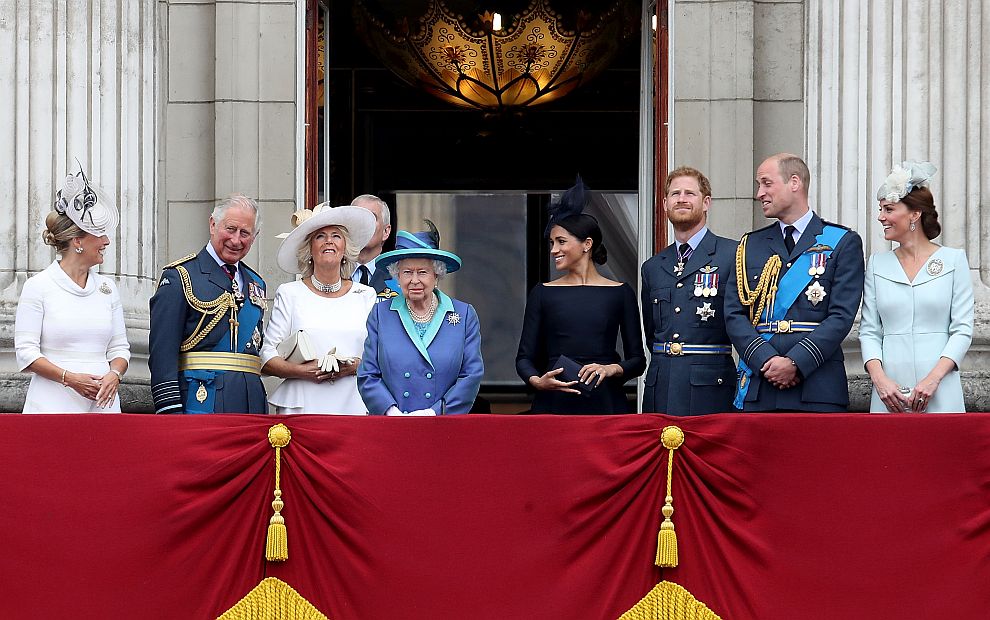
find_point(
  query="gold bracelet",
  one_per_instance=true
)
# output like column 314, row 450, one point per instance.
column 63, row 377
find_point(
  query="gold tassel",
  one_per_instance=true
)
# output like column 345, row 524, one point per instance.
column 277, row 545
column 672, row 438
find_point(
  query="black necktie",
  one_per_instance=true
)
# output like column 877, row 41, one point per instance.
column 365, row 280
column 789, row 238
column 231, row 271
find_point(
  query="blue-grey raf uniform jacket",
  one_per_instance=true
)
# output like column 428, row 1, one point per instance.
column 817, row 353
column 442, row 372
column 673, row 312
column 173, row 320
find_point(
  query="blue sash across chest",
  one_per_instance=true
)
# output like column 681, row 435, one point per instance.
column 248, row 318
column 789, row 288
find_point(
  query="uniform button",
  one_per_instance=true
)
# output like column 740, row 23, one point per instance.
column 429, row 375
column 427, row 395
column 680, row 285
column 720, row 381
column 788, row 264
column 405, row 394
column 406, row 375
column 677, row 309
column 676, row 336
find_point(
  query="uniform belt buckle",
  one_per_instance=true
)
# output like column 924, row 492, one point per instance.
column 783, row 327
column 676, row 348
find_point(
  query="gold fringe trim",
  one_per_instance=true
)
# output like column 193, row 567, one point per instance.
column 669, row 601
column 273, row 599
column 276, row 544
column 672, row 437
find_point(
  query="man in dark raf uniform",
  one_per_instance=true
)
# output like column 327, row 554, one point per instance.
column 206, row 322
column 691, row 370
column 792, row 298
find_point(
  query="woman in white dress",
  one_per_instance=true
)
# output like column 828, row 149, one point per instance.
column 69, row 329
column 918, row 303
column 330, row 308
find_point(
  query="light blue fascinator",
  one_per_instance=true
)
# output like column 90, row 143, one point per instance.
column 904, row 178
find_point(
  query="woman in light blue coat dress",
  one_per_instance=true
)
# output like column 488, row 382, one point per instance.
column 423, row 352
column 918, row 303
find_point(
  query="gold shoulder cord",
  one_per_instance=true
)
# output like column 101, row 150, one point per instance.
column 176, row 263
column 218, row 307
column 766, row 287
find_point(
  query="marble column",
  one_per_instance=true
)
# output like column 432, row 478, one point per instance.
column 889, row 80
column 79, row 79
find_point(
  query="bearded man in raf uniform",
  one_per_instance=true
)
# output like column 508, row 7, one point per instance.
column 793, row 296
column 691, row 370
column 206, row 322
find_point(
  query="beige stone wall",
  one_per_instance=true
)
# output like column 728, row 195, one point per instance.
column 228, row 119
column 738, row 95
column 79, row 84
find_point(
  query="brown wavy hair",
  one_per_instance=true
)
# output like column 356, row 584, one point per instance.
column 920, row 199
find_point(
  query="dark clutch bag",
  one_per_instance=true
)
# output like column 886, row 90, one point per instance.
column 570, row 373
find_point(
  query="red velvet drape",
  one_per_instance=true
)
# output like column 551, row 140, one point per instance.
column 495, row 517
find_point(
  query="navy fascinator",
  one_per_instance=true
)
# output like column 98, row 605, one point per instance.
column 570, row 203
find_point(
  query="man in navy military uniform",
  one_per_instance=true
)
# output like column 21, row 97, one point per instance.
column 792, row 299
column 366, row 271
column 691, row 370
column 206, row 322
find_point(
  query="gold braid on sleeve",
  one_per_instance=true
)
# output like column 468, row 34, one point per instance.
column 766, row 287
column 216, row 309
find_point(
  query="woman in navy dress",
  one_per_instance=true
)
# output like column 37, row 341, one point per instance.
column 579, row 315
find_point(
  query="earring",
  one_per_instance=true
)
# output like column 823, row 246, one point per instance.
column 914, row 227
column 585, row 251
column 79, row 250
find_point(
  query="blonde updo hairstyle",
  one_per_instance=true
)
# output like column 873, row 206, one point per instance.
column 60, row 231
column 304, row 255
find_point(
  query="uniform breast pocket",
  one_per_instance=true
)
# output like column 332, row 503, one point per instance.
column 661, row 299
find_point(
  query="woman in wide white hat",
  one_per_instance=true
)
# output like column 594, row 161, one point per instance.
column 69, row 329
column 327, row 306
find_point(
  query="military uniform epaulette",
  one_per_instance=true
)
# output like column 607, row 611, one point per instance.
column 176, row 263
column 827, row 223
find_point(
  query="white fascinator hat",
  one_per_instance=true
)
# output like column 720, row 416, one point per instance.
column 86, row 205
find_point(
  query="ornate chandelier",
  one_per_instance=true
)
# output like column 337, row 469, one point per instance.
column 534, row 59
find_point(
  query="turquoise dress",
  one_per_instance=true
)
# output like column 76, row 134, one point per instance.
column 908, row 325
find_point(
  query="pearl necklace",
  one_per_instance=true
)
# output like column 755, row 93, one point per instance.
column 423, row 318
column 327, row 288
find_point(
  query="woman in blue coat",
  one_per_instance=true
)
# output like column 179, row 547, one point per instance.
column 918, row 305
column 423, row 352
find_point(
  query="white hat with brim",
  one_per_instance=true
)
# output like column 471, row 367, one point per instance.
column 417, row 245
column 359, row 222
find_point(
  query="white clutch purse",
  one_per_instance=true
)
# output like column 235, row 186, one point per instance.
column 297, row 348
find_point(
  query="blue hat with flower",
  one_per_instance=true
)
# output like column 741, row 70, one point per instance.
column 424, row 244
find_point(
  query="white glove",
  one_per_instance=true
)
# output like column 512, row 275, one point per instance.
column 393, row 410
column 423, row 412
